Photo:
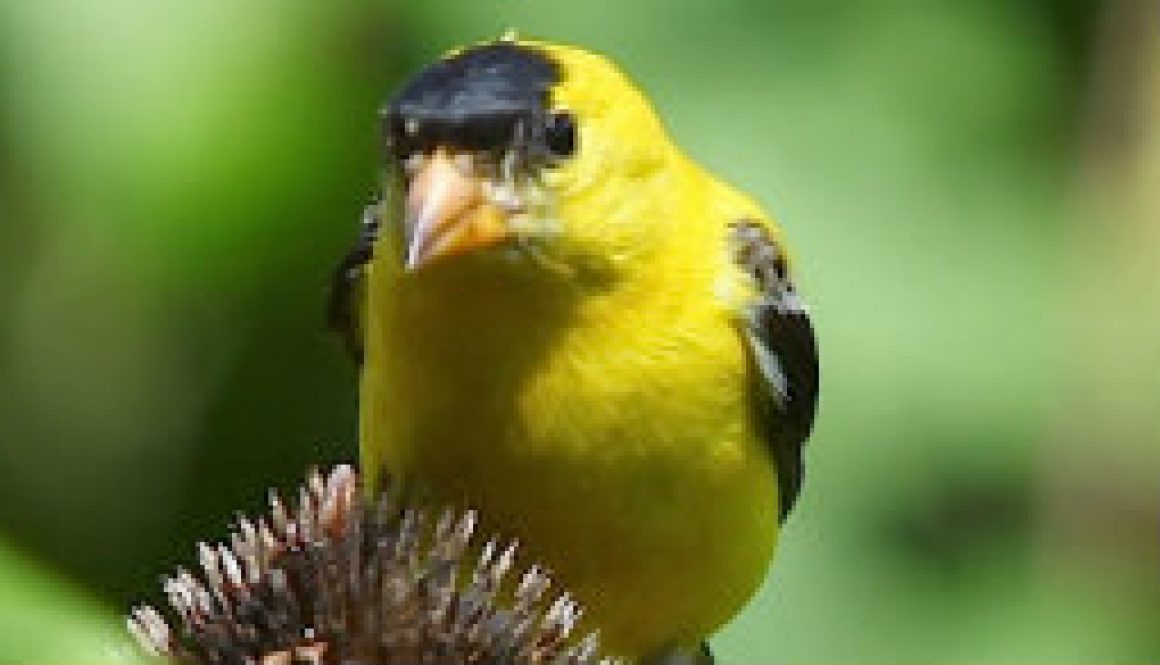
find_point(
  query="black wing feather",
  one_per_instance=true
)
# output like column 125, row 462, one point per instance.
column 346, row 288
column 784, row 357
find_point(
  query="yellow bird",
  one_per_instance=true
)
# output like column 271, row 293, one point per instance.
column 567, row 324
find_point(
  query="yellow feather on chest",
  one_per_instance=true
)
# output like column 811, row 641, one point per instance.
column 609, row 431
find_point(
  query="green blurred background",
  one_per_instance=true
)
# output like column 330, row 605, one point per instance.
column 972, row 188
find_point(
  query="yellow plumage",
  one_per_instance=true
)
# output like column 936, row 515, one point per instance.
column 592, row 396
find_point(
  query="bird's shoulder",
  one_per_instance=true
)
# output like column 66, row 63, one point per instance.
column 348, row 284
column 775, row 327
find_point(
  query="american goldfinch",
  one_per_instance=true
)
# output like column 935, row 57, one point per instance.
column 566, row 323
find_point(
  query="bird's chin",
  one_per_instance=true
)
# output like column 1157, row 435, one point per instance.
column 522, row 254
column 512, row 258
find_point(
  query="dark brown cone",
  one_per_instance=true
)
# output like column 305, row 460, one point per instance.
column 339, row 581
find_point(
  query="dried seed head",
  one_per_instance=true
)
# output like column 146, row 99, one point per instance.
column 342, row 580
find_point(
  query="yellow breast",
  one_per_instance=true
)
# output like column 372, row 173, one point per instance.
column 609, row 433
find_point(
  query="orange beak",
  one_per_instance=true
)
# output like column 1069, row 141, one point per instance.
column 448, row 212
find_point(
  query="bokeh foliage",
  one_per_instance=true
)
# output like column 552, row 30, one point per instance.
column 969, row 187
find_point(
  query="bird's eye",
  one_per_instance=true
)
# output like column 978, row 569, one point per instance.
column 560, row 134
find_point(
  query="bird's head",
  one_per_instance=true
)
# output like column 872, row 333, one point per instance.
column 535, row 153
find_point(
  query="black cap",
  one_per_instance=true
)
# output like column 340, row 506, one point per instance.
column 475, row 99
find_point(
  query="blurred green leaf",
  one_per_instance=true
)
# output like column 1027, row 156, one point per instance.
column 45, row 620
